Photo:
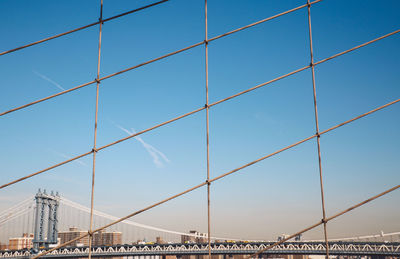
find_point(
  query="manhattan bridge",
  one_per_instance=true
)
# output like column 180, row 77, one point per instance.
column 48, row 215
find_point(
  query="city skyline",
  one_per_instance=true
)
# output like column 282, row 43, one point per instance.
column 278, row 195
column 25, row 218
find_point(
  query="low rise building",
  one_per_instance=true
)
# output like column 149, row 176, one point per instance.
column 3, row 247
column 99, row 238
column 107, row 238
column 73, row 233
column 17, row 243
column 194, row 237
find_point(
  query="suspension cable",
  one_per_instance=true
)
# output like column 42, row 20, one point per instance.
column 81, row 28
column 95, row 131
column 202, row 184
column 207, row 106
column 150, row 61
column 321, row 182
column 133, row 223
column 327, row 220
column 195, row 45
column 198, row 110
column 207, row 132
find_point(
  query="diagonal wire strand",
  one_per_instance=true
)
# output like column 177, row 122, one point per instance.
column 80, row 28
column 247, row 165
column 202, row 184
column 208, row 181
column 148, row 62
column 197, row 110
column 192, row 46
column 327, row 220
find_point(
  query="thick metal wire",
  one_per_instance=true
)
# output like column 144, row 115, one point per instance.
column 152, row 60
column 208, row 181
column 95, row 131
column 317, row 129
column 81, row 28
column 202, row 184
column 200, row 109
column 245, row 166
column 207, row 132
column 327, row 220
column 255, row 254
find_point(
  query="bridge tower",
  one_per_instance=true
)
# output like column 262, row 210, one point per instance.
column 46, row 205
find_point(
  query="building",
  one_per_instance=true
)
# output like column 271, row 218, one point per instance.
column 72, row 234
column 99, row 238
column 293, row 256
column 17, row 243
column 194, row 237
column 159, row 240
column 3, row 247
column 107, row 238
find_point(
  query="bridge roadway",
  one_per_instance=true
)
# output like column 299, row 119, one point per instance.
column 374, row 249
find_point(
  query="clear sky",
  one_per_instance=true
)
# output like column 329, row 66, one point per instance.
column 278, row 195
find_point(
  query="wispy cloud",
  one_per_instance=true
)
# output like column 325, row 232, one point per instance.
column 67, row 157
column 158, row 157
column 49, row 80
column 53, row 151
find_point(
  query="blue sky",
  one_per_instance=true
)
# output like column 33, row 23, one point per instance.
column 279, row 195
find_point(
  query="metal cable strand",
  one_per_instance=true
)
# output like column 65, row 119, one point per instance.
column 244, row 166
column 207, row 133
column 95, row 131
column 162, row 124
column 324, row 221
column 81, row 28
column 187, row 114
column 202, row 184
column 100, row 148
column 46, row 169
column 192, row 46
column 248, row 90
column 321, row 182
column 165, row 123
column 357, row 47
column 262, row 21
column 151, row 61
column 328, row 219
column 305, row 140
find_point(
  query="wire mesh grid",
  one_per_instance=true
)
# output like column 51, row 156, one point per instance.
column 97, row 81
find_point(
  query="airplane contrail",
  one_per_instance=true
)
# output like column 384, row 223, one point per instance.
column 49, row 80
column 67, row 157
column 154, row 152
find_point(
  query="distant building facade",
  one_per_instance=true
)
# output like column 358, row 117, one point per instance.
column 99, row 238
column 159, row 240
column 194, row 237
column 102, row 238
column 73, row 233
column 17, row 243
column 3, row 246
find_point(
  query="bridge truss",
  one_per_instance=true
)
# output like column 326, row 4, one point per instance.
column 23, row 218
column 206, row 108
column 227, row 249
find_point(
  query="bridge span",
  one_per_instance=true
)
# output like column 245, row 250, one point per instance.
column 226, row 249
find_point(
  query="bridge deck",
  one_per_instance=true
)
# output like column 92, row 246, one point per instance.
column 178, row 249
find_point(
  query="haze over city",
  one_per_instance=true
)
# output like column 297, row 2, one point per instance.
column 276, row 196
